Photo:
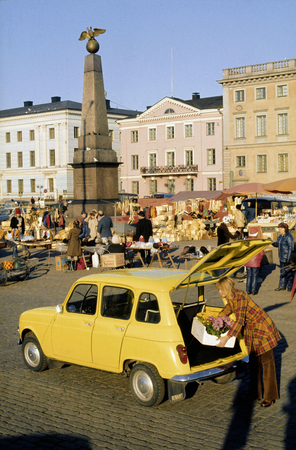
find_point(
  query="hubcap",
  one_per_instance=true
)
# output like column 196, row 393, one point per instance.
column 32, row 354
column 143, row 386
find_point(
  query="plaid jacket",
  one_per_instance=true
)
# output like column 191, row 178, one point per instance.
column 253, row 322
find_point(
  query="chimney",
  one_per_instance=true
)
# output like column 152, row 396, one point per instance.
column 195, row 95
column 108, row 104
column 55, row 99
column 29, row 103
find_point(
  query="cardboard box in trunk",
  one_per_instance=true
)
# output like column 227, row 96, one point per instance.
column 200, row 333
column 113, row 260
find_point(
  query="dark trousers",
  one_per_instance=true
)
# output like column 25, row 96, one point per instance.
column 252, row 274
column 286, row 277
column 263, row 367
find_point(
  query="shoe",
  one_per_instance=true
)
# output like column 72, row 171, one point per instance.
column 254, row 293
column 267, row 403
column 249, row 293
column 289, row 290
column 279, row 289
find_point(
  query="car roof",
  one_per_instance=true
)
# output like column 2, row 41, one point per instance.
column 141, row 278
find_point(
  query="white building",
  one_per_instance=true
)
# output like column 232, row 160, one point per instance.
column 37, row 143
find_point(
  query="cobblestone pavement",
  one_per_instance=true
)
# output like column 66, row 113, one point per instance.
column 81, row 408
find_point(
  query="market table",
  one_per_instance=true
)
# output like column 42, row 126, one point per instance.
column 191, row 257
column 162, row 250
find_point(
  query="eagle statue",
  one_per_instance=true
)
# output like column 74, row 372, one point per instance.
column 91, row 33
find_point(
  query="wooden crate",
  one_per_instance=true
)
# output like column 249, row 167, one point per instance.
column 113, row 260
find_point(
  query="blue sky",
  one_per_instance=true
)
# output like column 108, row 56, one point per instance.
column 41, row 55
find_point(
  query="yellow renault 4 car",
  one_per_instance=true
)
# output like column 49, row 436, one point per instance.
column 138, row 322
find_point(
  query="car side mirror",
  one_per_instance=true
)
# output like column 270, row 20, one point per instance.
column 59, row 308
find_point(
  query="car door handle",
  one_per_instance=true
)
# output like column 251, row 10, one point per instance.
column 88, row 323
column 120, row 328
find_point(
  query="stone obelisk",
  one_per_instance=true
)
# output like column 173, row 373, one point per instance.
column 95, row 163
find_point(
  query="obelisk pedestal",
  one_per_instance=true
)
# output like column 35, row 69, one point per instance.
column 95, row 163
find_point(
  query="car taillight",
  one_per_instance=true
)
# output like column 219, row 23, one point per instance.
column 182, row 351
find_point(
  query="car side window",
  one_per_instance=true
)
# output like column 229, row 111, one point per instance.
column 117, row 302
column 83, row 299
column 148, row 309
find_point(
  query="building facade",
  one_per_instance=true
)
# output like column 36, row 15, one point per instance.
column 259, row 122
column 173, row 146
column 37, row 144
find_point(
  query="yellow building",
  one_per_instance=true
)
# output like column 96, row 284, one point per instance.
column 259, row 122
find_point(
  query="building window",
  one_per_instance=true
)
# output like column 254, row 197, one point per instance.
column 211, row 184
column 152, row 134
column 240, row 161
column 75, row 149
column 135, row 187
column 33, row 185
column 19, row 136
column 134, row 136
column 211, row 156
column 50, row 184
column 51, row 133
column 8, row 186
column 171, row 186
column 282, row 90
column 189, row 184
column 169, row 111
column 240, row 96
column 20, row 159
column 210, row 128
column 135, row 162
column 7, row 138
column 188, row 130
column 283, row 123
column 21, row 187
column 52, row 157
column 283, row 164
column 153, row 186
column 260, row 93
column 261, row 126
column 111, row 134
column 170, row 157
column 261, row 163
column 188, row 157
column 240, row 127
column 152, row 159
column 8, row 160
column 32, row 158
column 76, row 132
column 171, row 132
column 32, row 135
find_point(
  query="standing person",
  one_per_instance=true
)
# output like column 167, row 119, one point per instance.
column 223, row 233
column 285, row 245
column 260, row 335
column 104, row 226
column 253, row 267
column 144, row 228
column 83, row 226
column 240, row 221
column 17, row 224
column 32, row 201
column 92, row 222
column 74, row 246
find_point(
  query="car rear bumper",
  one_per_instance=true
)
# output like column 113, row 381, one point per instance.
column 209, row 373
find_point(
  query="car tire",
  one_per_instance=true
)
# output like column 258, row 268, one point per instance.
column 146, row 384
column 33, row 355
column 225, row 379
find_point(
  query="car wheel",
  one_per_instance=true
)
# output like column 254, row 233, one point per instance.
column 3, row 276
column 33, row 355
column 224, row 379
column 146, row 384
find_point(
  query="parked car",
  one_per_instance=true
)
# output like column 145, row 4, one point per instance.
column 5, row 214
column 138, row 322
column 17, row 203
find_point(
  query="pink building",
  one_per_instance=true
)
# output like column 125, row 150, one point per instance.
column 175, row 145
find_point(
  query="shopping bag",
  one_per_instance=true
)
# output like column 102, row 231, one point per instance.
column 95, row 260
column 80, row 264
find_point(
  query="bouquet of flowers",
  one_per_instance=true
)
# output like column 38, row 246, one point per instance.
column 215, row 325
